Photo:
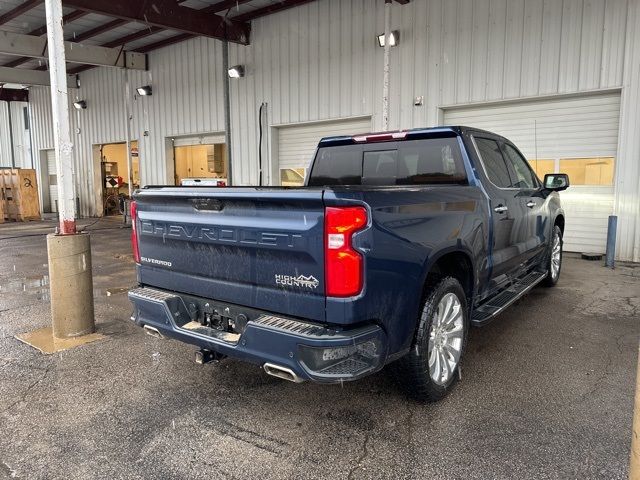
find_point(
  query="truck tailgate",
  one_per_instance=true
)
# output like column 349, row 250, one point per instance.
column 261, row 248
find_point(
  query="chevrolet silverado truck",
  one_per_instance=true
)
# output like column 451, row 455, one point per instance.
column 397, row 244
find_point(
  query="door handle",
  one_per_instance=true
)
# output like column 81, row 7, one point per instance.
column 500, row 209
column 531, row 204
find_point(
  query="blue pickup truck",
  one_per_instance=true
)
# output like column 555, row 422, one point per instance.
column 396, row 245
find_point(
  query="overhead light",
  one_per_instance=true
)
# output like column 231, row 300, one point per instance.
column 394, row 39
column 145, row 90
column 236, row 71
column 80, row 104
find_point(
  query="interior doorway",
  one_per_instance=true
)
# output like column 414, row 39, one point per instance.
column 200, row 158
column 111, row 175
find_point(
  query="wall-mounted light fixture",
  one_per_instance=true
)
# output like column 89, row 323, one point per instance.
column 394, row 38
column 80, row 104
column 145, row 90
column 236, row 71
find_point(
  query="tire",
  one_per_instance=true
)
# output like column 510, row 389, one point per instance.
column 553, row 274
column 416, row 374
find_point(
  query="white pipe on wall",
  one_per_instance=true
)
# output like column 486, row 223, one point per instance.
column 386, row 73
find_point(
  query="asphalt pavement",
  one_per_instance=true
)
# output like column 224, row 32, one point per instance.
column 546, row 392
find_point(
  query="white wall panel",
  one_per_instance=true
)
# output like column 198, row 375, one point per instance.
column 21, row 149
column 557, row 127
column 21, row 144
column 550, row 47
column 5, row 140
column 627, row 204
column 587, row 209
column 320, row 61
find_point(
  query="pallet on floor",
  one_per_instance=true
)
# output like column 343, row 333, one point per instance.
column 19, row 195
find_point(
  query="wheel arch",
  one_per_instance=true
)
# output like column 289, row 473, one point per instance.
column 559, row 221
column 454, row 262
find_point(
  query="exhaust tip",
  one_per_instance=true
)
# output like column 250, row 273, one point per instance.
column 282, row 372
column 153, row 331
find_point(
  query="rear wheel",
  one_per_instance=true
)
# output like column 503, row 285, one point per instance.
column 430, row 369
column 554, row 264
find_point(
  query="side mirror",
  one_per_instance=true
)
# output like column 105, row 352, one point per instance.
column 556, row 181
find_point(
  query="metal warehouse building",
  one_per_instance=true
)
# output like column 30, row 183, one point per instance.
column 560, row 78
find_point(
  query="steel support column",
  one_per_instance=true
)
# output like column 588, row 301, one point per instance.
column 60, row 108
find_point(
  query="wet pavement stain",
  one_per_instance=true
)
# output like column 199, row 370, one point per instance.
column 43, row 340
column 37, row 285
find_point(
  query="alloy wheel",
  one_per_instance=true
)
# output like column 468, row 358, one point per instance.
column 445, row 339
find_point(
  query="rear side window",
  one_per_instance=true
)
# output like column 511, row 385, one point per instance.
column 337, row 166
column 411, row 162
column 494, row 164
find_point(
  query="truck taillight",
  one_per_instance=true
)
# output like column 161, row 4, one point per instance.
column 134, row 232
column 343, row 264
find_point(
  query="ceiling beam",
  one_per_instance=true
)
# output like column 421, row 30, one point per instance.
column 23, row 76
column 70, row 17
column 168, row 14
column 132, row 37
column 216, row 7
column 36, row 47
column 269, row 9
column 225, row 5
column 17, row 11
column 14, row 94
column 164, row 42
column 98, row 30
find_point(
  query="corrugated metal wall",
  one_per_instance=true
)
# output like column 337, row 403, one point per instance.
column 320, row 61
column 21, row 143
column 627, row 200
column 5, row 141
column 21, row 146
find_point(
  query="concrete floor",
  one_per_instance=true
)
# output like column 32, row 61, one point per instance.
column 547, row 392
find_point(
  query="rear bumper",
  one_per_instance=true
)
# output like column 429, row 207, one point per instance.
column 310, row 350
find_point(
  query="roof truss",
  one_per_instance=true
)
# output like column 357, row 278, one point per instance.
column 168, row 14
column 36, row 47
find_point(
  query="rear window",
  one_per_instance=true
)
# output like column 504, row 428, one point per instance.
column 411, row 162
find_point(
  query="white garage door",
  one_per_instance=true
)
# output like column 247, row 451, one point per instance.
column 53, row 183
column 297, row 144
column 575, row 135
